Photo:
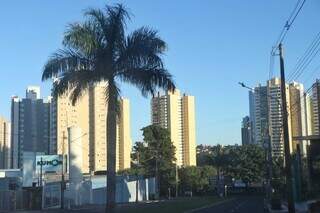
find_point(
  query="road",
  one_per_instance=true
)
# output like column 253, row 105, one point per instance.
column 237, row 205
column 245, row 204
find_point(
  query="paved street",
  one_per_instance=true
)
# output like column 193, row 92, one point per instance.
column 238, row 205
column 246, row 204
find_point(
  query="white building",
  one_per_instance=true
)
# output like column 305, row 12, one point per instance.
column 258, row 107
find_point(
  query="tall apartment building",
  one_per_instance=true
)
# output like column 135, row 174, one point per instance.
column 275, row 116
column 258, row 107
column 315, row 107
column 266, row 112
column 5, row 144
column 309, row 115
column 89, row 113
column 298, row 116
column 177, row 114
column 246, row 132
column 30, row 125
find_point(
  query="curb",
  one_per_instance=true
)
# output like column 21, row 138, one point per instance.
column 209, row 206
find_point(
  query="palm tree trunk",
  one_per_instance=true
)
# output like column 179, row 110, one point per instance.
column 111, row 149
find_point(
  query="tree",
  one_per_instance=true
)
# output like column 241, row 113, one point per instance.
column 156, row 156
column 203, row 155
column 196, row 179
column 240, row 162
column 99, row 49
column 219, row 159
column 247, row 163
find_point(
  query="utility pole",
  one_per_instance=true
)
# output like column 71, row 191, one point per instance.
column 177, row 180
column 41, row 171
column 289, row 181
column 62, row 171
column 137, row 180
column 267, row 143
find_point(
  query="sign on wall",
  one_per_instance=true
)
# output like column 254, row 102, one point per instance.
column 49, row 163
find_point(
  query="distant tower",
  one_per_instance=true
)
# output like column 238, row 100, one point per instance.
column 5, row 144
column 177, row 114
column 30, row 125
column 316, row 107
column 258, row 107
column 246, row 132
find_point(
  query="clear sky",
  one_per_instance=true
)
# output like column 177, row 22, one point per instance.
column 212, row 46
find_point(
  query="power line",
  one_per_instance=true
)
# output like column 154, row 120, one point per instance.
column 294, row 14
column 295, row 106
column 285, row 29
column 271, row 65
column 312, row 73
column 304, row 61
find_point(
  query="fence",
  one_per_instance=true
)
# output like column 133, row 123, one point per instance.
column 20, row 200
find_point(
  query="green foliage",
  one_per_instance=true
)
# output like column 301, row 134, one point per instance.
column 246, row 163
column 240, row 162
column 196, row 179
column 155, row 157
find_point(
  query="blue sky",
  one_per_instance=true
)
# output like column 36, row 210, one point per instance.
column 212, row 46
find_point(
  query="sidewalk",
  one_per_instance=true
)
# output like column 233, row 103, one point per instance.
column 302, row 207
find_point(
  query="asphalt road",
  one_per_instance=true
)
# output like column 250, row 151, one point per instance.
column 237, row 205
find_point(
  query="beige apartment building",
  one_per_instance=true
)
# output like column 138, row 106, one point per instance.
column 298, row 116
column 177, row 114
column 299, row 108
column 5, row 147
column 89, row 113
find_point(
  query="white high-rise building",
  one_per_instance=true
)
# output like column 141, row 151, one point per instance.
column 275, row 120
column 33, row 92
column 309, row 114
column 266, row 115
column 177, row 114
column 258, row 107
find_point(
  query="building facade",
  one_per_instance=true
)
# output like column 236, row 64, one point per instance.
column 89, row 114
column 246, row 131
column 298, row 114
column 30, row 125
column 258, row 107
column 5, row 144
column 275, row 120
column 265, row 105
column 315, row 107
column 177, row 114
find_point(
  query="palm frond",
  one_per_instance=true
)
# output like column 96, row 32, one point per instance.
column 85, row 37
column 148, row 79
column 143, row 47
column 117, row 17
column 74, row 83
column 65, row 60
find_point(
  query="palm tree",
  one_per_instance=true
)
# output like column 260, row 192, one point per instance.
column 100, row 50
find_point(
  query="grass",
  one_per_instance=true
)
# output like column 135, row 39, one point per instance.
column 177, row 206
